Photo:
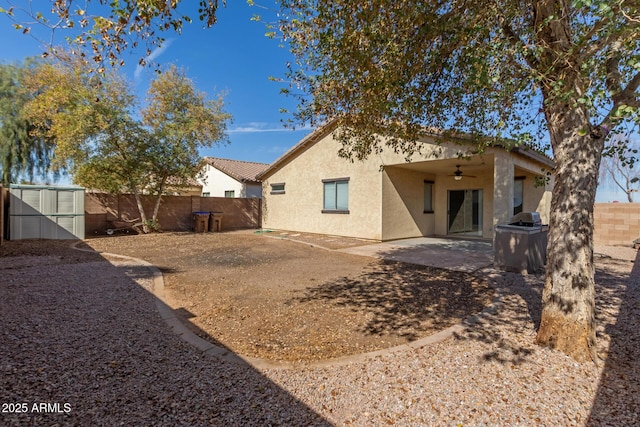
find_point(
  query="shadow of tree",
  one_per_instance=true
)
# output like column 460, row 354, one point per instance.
column 511, row 324
column 617, row 401
column 406, row 300
column 88, row 334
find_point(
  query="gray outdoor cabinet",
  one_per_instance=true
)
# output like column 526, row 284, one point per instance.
column 521, row 245
column 46, row 212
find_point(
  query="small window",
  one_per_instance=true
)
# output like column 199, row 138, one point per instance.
column 336, row 195
column 277, row 188
column 428, row 197
column 230, row 193
column 518, row 194
column 206, row 194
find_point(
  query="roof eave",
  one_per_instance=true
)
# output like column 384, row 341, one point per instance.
column 309, row 139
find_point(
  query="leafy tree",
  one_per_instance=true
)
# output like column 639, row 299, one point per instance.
column 493, row 69
column 106, row 148
column 100, row 31
column 181, row 120
column 22, row 155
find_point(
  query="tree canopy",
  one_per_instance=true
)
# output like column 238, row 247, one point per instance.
column 100, row 31
column 484, row 68
column 103, row 143
column 22, row 154
column 521, row 71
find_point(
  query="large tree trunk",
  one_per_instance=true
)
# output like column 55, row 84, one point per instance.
column 568, row 299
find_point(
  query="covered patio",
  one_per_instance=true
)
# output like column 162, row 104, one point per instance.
column 466, row 196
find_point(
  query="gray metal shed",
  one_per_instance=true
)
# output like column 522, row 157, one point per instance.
column 46, row 212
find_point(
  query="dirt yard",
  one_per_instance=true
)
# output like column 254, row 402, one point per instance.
column 284, row 300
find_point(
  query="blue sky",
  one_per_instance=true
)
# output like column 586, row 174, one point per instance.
column 233, row 57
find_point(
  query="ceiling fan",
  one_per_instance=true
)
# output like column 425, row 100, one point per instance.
column 457, row 175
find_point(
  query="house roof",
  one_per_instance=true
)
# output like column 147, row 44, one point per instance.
column 245, row 172
column 328, row 127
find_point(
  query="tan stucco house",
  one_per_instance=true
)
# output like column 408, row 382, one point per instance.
column 438, row 193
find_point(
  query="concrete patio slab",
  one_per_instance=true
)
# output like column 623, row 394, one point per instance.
column 452, row 254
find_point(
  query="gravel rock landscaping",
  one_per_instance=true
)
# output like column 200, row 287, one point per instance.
column 83, row 344
column 287, row 301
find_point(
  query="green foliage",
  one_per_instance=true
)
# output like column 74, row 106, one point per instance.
column 497, row 71
column 103, row 30
column 486, row 68
column 105, row 148
column 22, row 155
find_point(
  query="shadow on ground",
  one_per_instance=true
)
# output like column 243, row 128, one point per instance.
column 405, row 300
column 617, row 401
column 86, row 336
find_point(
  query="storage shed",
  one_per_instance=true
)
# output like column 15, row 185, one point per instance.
column 46, row 212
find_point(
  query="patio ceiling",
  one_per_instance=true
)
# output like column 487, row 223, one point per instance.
column 477, row 165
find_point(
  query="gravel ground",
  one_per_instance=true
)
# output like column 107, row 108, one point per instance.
column 84, row 338
column 277, row 299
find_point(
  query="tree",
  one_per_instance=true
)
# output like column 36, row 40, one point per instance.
column 22, row 155
column 495, row 70
column 92, row 119
column 100, row 34
column 616, row 167
column 182, row 120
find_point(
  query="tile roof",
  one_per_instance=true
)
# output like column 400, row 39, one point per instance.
column 237, row 169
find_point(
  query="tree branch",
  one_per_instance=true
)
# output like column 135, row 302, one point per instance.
column 627, row 96
column 514, row 38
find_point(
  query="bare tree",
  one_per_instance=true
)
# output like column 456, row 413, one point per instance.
column 617, row 166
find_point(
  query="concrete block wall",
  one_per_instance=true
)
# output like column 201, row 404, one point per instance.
column 616, row 224
column 175, row 214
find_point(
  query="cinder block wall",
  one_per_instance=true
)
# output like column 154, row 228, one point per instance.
column 175, row 214
column 616, row 223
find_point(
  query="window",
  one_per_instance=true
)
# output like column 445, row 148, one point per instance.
column 277, row 188
column 230, row 193
column 518, row 194
column 428, row 197
column 206, row 194
column 336, row 195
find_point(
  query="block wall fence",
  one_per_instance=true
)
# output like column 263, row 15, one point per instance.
column 616, row 224
column 175, row 214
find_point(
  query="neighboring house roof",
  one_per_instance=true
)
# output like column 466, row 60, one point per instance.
column 245, row 172
column 328, row 127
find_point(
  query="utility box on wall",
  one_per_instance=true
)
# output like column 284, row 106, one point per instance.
column 46, row 212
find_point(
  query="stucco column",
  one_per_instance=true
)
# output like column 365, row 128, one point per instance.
column 502, row 188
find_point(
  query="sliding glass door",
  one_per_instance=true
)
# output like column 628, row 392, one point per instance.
column 465, row 212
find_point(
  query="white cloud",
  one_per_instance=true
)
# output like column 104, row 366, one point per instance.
column 258, row 127
column 154, row 54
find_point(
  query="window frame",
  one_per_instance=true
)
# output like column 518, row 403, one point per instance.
column 521, row 205
column 232, row 192
column 277, row 184
column 335, row 182
column 424, row 194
